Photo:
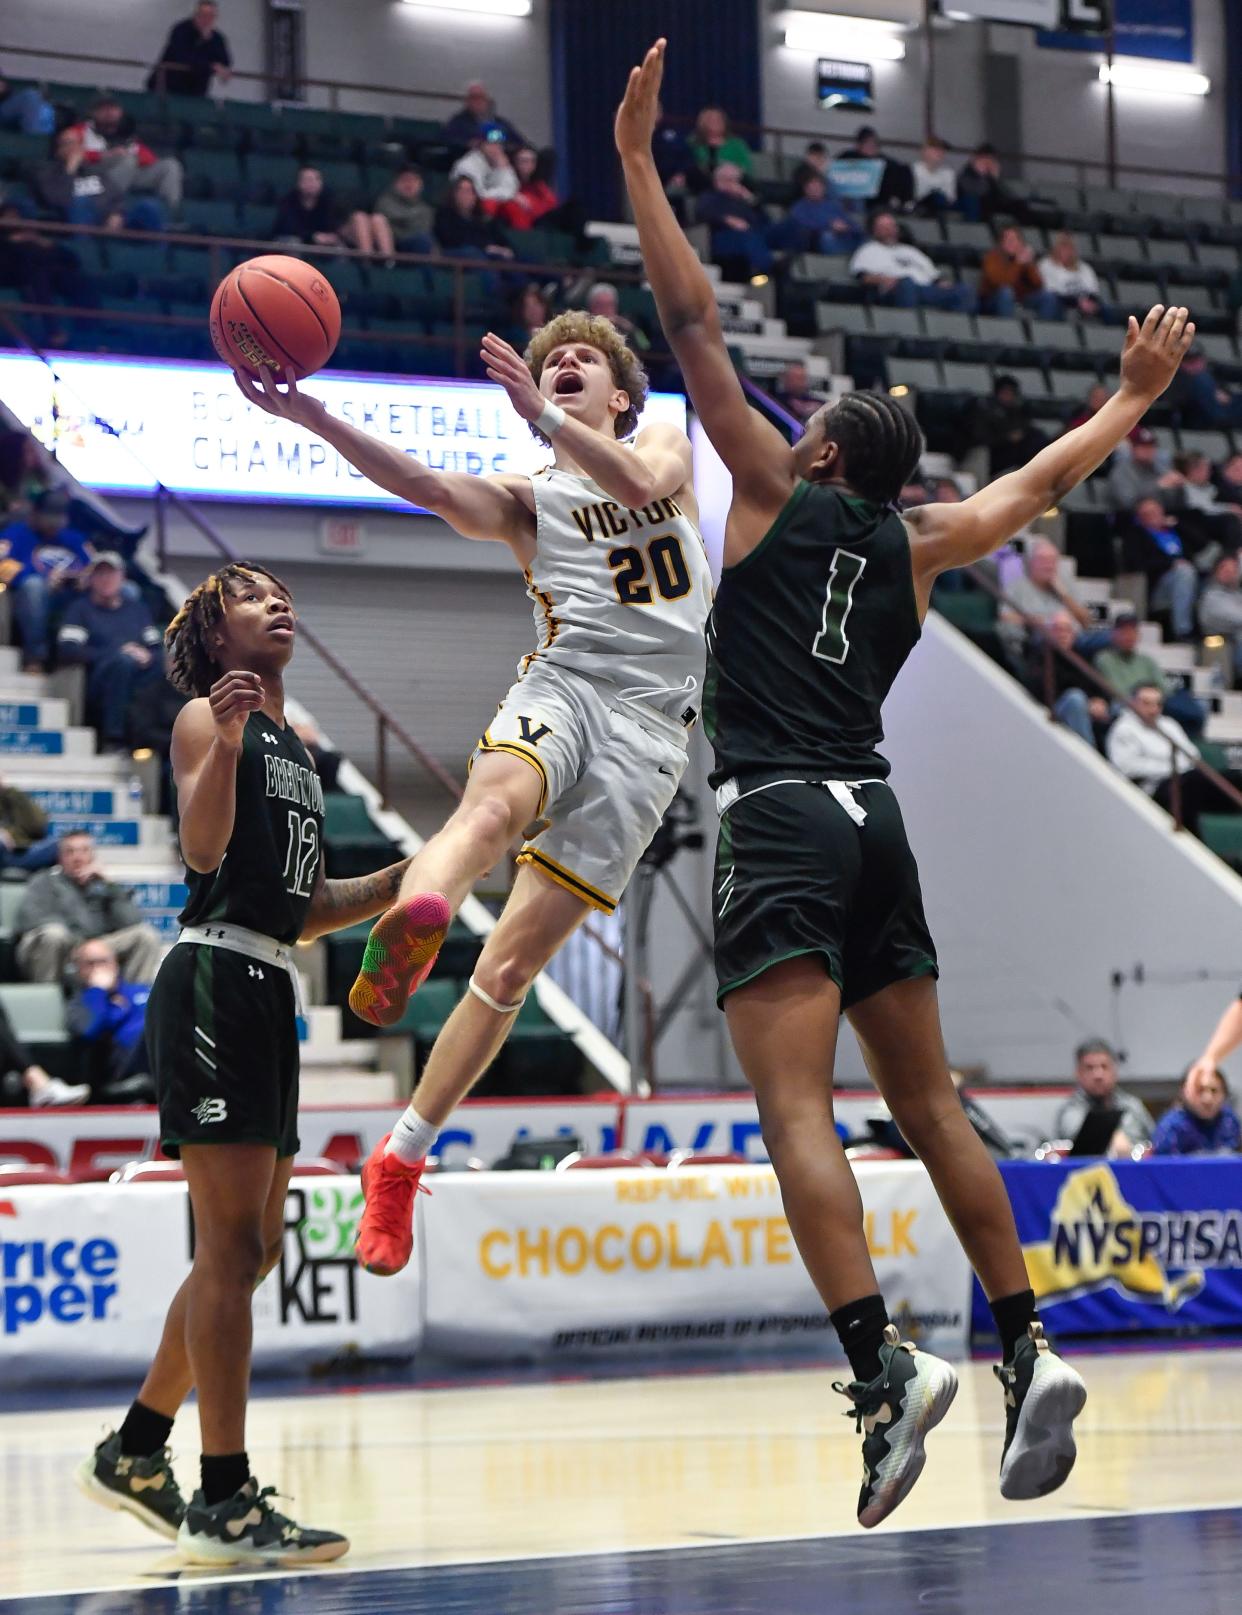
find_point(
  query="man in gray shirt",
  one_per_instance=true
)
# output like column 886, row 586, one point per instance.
column 1096, row 1074
column 1039, row 596
column 1141, row 474
column 1220, row 605
column 75, row 903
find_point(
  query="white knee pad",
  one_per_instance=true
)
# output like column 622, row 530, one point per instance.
column 493, row 1003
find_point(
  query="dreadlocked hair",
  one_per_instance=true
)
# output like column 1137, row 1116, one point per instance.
column 881, row 443
column 193, row 668
column 595, row 332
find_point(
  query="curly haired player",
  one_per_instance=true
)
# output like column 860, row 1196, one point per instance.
column 222, row 1034
column 591, row 737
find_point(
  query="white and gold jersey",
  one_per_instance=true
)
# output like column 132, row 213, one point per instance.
column 620, row 595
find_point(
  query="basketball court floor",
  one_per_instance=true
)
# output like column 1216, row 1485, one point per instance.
column 679, row 1493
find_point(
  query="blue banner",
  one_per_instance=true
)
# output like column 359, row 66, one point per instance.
column 1115, row 1247
column 1161, row 29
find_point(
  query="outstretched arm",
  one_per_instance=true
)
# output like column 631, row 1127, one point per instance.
column 478, row 507
column 336, row 904
column 758, row 458
column 1223, row 1041
column 945, row 536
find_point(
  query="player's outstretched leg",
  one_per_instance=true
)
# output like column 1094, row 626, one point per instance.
column 502, row 797
column 537, row 919
column 898, row 1029
column 784, row 1028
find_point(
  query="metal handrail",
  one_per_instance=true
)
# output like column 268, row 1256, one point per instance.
column 978, row 575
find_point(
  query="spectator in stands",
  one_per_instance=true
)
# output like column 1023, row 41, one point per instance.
column 737, row 224
column 1229, row 480
column 115, row 640
column 821, row 220
column 531, row 312
column 673, row 158
column 1220, row 607
column 475, row 117
column 534, row 198
column 1150, row 748
column 24, row 841
column 1095, row 1070
column 1198, row 399
column 712, row 144
column 75, row 192
column 1202, row 1122
column 108, row 1015
column 902, row 275
column 935, row 183
column 109, row 142
column 1070, row 278
column 41, row 1089
column 1094, row 402
column 1152, row 544
column 464, row 228
column 1126, row 667
column 25, row 472
column 1036, row 597
column 1011, row 278
column 42, row 268
column 1143, row 473
column 76, row 902
column 196, row 56
column 604, row 300
column 404, row 210
column 793, row 392
column 153, row 710
column 1001, row 425
column 1079, row 709
column 310, row 214
column 487, row 164
column 1205, row 518
column 26, row 109
column 980, row 192
column 814, row 160
column 327, row 761
column 41, row 558
column 896, row 187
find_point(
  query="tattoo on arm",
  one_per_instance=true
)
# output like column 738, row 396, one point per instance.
column 380, row 887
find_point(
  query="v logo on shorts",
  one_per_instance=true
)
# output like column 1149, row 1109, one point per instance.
column 532, row 736
column 210, row 1110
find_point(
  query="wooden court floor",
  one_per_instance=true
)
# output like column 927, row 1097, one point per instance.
column 708, row 1469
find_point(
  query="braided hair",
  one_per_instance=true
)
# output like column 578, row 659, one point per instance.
column 193, row 668
column 880, row 442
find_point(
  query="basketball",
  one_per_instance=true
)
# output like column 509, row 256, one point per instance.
column 278, row 313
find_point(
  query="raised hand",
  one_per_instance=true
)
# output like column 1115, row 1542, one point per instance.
column 506, row 365
column 639, row 109
column 233, row 698
column 291, row 405
column 1154, row 350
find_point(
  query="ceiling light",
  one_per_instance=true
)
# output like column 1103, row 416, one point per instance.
column 1136, row 75
column 868, row 39
column 493, row 8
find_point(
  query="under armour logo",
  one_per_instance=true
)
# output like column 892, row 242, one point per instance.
column 255, row 971
column 268, row 737
column 208, row 1111
column 207, row 931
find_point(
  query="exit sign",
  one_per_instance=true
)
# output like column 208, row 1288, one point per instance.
column 342, row 535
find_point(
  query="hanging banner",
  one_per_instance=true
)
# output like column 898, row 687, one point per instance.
column 1162, row 30
column 1152, row 1246
column 550, row 1264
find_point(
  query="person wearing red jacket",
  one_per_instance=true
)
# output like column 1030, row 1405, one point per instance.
column 535, row 196
column 130, row 167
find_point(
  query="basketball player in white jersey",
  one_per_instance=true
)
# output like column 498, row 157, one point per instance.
column 587, row 748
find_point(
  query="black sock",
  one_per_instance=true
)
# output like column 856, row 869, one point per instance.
column 144, row 1431
column 224, row 1476
column 1011, row 1314
column 861, row 1325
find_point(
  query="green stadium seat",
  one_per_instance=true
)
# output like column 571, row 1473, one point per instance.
column 220, row 171
column 1222, row 833
column 211, row 217
column 967, row 378
column 269, row 177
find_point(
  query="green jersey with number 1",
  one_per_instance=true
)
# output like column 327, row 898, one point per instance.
column 265, row 879
column 806, row 636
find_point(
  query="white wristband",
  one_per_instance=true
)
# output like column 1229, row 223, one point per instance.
column 550, row 419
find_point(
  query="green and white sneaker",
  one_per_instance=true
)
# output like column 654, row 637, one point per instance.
column 143, row 1487
column 909, row 1397
column 1043, row 1397
column 246, row 1529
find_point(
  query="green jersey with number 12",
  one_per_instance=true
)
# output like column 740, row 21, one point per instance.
column 806, row 636
column 265, row 879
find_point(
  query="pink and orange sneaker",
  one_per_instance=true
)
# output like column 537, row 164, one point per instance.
column 400, row 953
column 386, row 1227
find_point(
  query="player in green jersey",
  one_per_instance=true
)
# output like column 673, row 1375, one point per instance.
column 817, row 903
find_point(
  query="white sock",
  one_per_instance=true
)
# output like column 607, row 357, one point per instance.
column 412, row 1137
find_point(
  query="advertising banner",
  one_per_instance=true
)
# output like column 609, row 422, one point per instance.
column 1114, row 1247
column 110, row 421
column 1163, row 30
column 534, row 1264
column 87, row 1273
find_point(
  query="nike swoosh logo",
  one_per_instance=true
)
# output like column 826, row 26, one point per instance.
column 235, row 1528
